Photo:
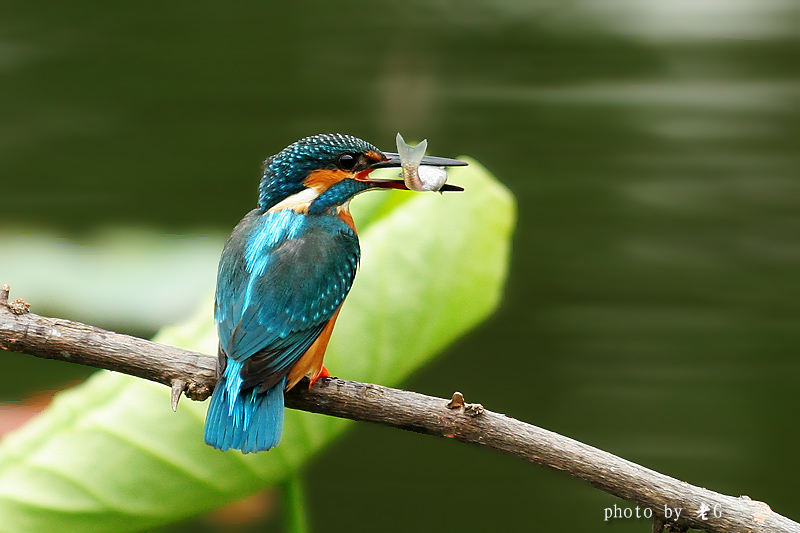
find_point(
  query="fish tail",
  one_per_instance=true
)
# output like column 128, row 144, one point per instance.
column 248, row 421
column 411, row 155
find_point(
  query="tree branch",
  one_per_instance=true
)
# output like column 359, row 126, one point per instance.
column 193, row 373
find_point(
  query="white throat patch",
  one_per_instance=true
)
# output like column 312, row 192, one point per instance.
column 298, row 202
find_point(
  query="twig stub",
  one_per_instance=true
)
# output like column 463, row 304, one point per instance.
column 456, row 402
column 470, row 409
column 178, row 386
column 18, row 306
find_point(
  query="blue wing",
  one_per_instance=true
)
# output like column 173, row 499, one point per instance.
column 281, row 277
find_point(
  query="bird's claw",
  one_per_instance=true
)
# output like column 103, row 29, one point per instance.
column 323, row 373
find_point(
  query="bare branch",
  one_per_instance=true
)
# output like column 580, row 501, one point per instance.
column 53, row 338
column 193, row 374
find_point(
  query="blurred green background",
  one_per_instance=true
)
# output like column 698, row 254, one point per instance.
column 652, row 307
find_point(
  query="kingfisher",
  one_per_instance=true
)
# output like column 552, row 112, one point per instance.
column 284, row 272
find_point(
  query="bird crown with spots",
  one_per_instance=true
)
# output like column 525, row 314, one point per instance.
column 284, row 172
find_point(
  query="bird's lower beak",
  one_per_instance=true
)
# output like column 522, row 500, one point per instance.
column 393, row 161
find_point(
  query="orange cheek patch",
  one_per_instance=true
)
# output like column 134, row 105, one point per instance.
column 322, row 179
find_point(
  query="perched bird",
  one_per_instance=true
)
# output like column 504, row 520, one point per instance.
column 283, row 275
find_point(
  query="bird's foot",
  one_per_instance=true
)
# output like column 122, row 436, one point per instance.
column 323, row 373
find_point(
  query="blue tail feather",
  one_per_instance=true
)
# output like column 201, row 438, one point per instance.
column 245, row 421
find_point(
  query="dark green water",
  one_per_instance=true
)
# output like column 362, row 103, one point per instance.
column 652, row 308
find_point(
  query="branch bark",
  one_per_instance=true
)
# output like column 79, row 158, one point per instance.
column 193, row 373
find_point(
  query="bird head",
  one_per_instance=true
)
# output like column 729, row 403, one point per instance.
column 325, row 171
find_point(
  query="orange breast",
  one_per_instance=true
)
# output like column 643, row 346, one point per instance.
column 310, row 364
column 344, row 215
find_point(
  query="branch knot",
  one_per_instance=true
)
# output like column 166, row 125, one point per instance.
column 470, row 409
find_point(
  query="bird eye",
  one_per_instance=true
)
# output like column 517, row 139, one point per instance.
column 348, row 161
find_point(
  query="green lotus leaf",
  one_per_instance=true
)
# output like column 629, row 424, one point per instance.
column 111, row 456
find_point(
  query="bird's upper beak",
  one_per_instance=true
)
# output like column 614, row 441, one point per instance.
column 393, row 161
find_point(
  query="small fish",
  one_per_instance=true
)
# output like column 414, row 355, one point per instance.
column 417, row 178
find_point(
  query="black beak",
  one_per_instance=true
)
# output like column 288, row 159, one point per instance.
column 393, row 161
